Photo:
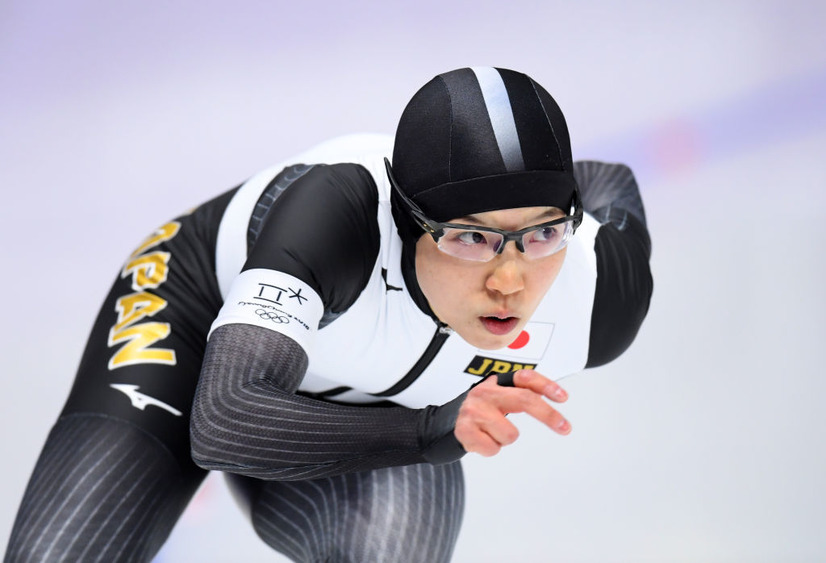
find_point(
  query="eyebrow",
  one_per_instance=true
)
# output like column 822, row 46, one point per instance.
column 551, row 213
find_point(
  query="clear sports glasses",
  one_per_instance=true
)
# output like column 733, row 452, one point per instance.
column 482, row 244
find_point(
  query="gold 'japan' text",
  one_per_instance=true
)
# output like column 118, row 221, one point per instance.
column 148, row 270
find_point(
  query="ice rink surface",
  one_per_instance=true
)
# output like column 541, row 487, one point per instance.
column 703, row 443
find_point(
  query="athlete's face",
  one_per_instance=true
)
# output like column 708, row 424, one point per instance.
column 488, row 303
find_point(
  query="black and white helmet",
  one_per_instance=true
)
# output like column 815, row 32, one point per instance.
column 480, row 139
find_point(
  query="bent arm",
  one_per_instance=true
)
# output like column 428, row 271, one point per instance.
column 623, row 248
column 247, row 419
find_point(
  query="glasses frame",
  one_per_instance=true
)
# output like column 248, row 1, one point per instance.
column 436, row 229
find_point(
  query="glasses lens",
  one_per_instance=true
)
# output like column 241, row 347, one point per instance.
column 482, row 246
column 478, row 246
column 547, row 240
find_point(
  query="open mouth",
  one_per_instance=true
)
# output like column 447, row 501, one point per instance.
column 498, row 326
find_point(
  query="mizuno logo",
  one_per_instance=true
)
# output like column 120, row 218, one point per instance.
column 141, row 401
column 387, row 286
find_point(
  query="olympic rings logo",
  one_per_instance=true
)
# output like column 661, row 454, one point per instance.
column 272, row 316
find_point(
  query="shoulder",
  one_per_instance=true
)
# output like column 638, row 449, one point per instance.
column 242, row 214
column 323, row 229
column 347, row 183
column 622, row 249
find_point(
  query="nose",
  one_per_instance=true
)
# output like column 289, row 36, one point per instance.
column 506, row 277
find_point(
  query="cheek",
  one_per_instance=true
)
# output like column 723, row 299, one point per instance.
column 557, row 260
column 443, row 282
column 548, row 271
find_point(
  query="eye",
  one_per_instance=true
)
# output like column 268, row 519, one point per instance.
column 471, row 237
column 546, row 234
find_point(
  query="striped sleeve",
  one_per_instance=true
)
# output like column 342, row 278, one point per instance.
column 246, row 418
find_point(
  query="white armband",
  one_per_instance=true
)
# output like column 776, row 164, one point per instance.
column 273, row 300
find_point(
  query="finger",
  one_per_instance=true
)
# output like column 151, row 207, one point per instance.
column 500, row 429
column 538, row 383
column 489, row 401
column 481, row 425
column 525, row 400
column 473, row 439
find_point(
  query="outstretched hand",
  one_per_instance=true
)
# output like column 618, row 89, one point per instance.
column 482, row 426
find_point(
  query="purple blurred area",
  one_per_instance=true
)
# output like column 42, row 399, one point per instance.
column 703, row 443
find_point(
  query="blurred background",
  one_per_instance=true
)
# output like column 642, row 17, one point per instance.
column 704, row 442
